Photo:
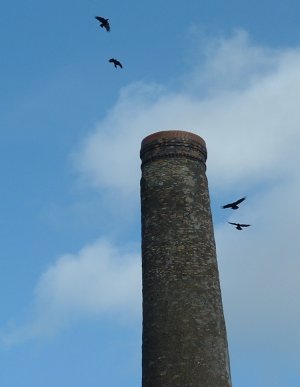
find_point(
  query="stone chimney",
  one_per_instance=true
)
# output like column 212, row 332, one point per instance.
column 184, row 334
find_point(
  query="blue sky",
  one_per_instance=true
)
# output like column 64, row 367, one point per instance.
column 71, row 126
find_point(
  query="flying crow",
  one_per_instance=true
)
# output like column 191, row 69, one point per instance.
column 103, row 22
column 234, row 205
column 240, row 226
column 115, row 62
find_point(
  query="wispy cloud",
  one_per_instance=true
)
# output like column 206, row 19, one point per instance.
column 229, row 63
column 100, row 279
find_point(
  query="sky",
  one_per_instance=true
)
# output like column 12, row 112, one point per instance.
column 71, row 127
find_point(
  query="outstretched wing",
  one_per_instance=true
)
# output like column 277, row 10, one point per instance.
column 101, row 19
column 234, row 204
column 235, row 224
column 119, row 64
column 239, row 201
column 229, row 205
column 245, row 225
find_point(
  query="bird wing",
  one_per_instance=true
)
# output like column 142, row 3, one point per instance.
column 235, row 224
column 245, row 225
column 101, row 19
column 119, row 64
column 229, row 205
column 239, row 201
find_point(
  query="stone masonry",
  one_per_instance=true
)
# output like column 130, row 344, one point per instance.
column 184, row 334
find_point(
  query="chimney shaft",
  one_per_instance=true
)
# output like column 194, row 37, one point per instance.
column 184, row 334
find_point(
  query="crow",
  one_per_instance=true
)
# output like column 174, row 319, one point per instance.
column 240, row 226
column 234, row 205
column 115, row 62
column 103, row 22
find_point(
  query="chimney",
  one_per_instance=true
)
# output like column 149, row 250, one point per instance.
column 184, row 333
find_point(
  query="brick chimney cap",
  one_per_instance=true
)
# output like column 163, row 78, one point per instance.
column 173, row 134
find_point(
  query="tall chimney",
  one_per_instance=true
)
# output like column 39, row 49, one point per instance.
column 184, row 334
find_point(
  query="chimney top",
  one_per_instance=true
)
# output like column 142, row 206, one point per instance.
column 173, row 134
column 173, row 143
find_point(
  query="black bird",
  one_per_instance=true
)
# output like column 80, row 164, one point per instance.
column 103, row 22
column 116, row 62
column 240, row 226
column 234, row 205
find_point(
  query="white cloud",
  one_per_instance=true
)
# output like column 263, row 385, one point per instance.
column 99, row 279
column 247, row 129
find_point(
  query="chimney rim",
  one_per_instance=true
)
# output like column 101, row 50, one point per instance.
column 173, row 134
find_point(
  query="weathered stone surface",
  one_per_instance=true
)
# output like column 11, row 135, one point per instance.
column 184, row 334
